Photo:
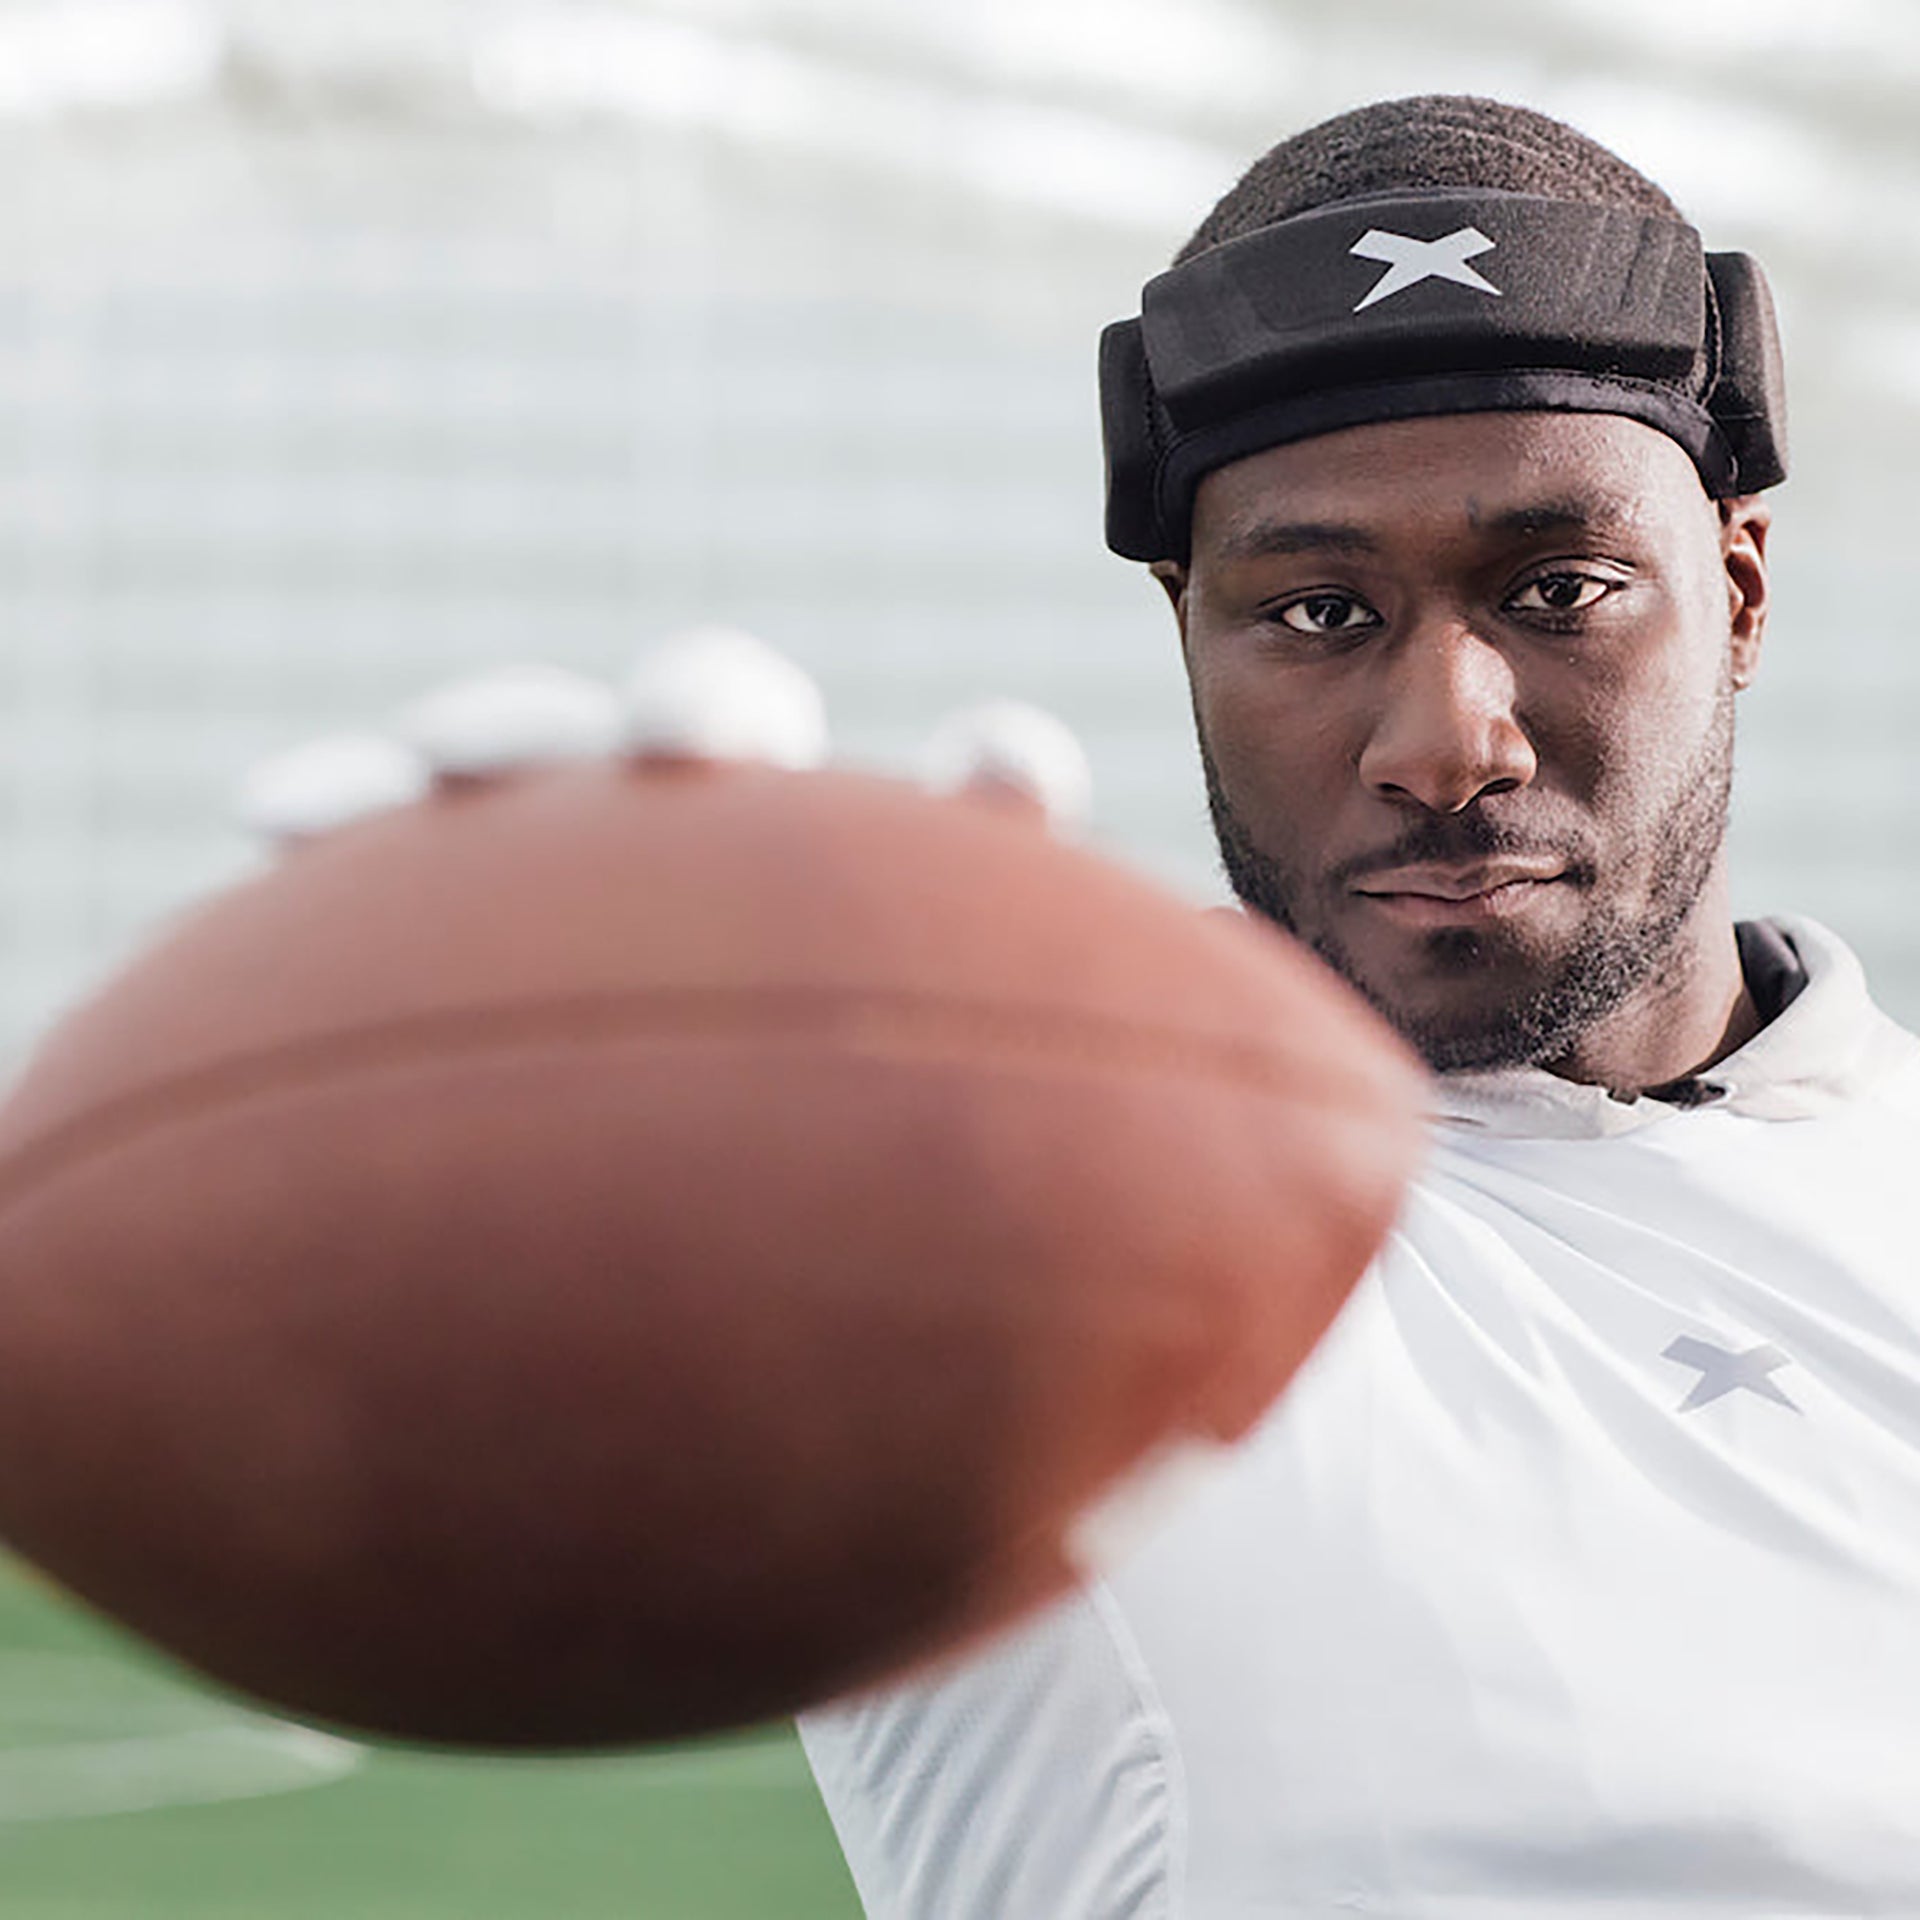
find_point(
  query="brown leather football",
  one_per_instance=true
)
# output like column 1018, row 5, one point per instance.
column 626, row 1251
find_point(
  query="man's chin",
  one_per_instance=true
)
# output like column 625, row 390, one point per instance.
column 1456, row 1041
column 1473, row 1000
column 1467, row 1010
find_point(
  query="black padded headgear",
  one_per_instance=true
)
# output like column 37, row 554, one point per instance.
column 1431, row 301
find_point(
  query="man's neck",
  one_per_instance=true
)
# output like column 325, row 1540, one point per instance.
column 1692, row 1012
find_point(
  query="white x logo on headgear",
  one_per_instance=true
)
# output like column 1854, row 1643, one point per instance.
column 1410, row 261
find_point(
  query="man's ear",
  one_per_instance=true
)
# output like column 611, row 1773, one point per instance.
column 1744, row 524
column 1172, row 575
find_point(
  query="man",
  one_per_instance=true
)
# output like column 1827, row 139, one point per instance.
column 1580, row 1570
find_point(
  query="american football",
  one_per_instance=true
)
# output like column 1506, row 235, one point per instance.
column 636, row 1247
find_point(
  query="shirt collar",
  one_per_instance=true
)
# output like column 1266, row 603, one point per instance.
column 1828, row 1046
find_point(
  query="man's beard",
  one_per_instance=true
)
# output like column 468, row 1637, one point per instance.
column 1613, row 954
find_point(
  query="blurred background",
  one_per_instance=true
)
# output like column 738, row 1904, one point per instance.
column 345, row 348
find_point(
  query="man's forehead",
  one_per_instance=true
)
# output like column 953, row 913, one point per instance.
column 1515, row 477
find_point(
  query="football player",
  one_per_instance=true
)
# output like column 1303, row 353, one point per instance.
column 1580, row 1570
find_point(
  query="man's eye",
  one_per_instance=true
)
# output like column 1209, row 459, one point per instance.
column 1327, row 613
column 1560, row 593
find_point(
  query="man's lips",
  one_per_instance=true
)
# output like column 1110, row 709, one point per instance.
column 1450, row 895
column 1466, row 881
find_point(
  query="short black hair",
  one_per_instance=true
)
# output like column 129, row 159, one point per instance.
column 1430, row 140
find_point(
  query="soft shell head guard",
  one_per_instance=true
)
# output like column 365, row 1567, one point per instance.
column 1439, row 301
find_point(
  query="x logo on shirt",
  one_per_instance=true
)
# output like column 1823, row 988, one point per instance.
column 1722, row 1371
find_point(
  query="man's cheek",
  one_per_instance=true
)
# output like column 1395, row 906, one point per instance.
column 1255, row 749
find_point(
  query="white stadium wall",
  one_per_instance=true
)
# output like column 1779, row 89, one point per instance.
column 339, row 359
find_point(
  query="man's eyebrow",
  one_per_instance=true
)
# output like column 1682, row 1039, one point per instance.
column 1269, row 539
column 1575, row 515
column 1265, row 539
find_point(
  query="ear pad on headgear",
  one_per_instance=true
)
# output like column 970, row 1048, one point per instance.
column 1130, row 424
column 1749, row 395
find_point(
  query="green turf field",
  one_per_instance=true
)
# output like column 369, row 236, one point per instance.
column 126, row 1794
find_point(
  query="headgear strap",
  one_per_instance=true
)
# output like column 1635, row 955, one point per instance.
column 1429, row 302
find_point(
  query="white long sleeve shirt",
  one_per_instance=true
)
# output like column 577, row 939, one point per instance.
column 1577, row 1574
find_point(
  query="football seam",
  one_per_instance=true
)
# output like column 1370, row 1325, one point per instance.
column 867, row 1019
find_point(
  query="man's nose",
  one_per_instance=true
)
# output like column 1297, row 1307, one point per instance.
column 1446, row 732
